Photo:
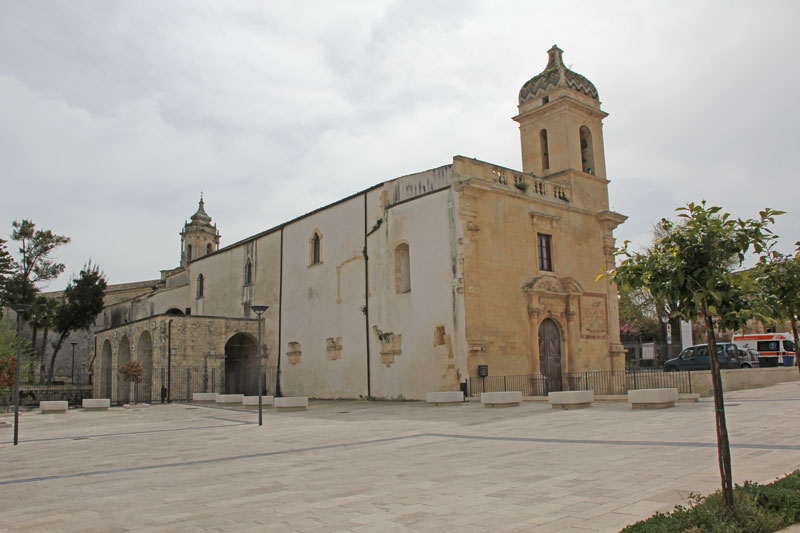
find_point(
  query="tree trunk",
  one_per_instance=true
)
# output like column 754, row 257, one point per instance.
column 796, row 343
column 42, row 356
column 53, row 356
column 723, row 445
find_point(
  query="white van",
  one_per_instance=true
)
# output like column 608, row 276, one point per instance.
column 766, row 344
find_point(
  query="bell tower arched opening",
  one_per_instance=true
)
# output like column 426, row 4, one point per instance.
column 587, row 150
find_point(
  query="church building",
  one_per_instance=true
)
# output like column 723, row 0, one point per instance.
column 410, row 286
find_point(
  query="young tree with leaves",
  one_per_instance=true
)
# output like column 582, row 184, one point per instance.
column 691, row 265
column 778, row 278
column 83, row 302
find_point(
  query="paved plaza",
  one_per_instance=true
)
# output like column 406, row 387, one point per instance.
column 382, row 466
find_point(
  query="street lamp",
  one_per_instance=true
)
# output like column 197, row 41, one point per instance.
column 72, row 375
column 20, row 309
column 259, row 310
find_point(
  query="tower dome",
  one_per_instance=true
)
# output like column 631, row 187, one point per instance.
column 198, row 237
column 556, row 75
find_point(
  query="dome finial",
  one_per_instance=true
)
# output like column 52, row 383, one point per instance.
column 554, row 57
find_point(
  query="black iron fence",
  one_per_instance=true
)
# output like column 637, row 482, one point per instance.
column 601, row 382
column 72, row 389
column 156, row 385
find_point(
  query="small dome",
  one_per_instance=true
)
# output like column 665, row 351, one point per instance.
column 556, row 75
column 201, row 217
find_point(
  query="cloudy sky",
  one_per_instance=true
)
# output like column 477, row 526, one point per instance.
column 115, row 115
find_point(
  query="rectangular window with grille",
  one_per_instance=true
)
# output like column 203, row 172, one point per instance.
column 545, row 252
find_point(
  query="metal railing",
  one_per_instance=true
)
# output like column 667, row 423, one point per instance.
column 601, row 382
column 157, row 385
column 72, row 390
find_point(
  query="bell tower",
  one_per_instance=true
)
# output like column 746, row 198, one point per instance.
column 198, row 237
column 560, row 122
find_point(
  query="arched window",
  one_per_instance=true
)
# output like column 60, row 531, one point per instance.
column 545, row 150
column 402, row 268
column 209, row 248
column 587, row 151
column 316, row 248
column 248, row 273
column 188, row 253
column 200, row 283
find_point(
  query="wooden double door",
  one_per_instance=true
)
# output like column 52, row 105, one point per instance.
column 550, row 354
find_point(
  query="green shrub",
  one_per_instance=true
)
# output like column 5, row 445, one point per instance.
column 758, row 509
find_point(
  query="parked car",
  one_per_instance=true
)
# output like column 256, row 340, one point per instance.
column 749, row 358
column 696, row 358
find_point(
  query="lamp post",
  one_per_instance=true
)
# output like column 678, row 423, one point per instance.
column 20, row 309
column 72, row 375
column 259, row 310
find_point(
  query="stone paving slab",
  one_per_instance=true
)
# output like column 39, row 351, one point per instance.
column 382, row 466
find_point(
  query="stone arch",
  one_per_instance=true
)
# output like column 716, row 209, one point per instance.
column 587, row 150
column 144, row 354
column 551, row 337
column 106, row 356
column 174, row 311
column 123, row 358
column 241, row 360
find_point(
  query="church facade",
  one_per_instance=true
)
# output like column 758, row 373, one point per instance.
column 409, row 286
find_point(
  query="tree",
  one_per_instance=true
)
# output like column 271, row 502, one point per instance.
column 42, row 315
column 34, row 265
column 8, row 355
column 83, row 302
column 691, row 267
column 778, row 278
column 132, row 373
column 6, row 266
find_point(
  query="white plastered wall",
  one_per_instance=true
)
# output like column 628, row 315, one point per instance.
column 420, row 366
column 324, row 301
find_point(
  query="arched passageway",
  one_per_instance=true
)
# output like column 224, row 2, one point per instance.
column 123, row 358
column 144, row 354
column 241, row 358
column 105, row 370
